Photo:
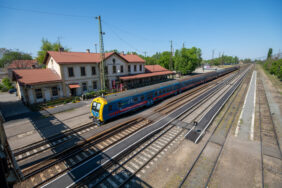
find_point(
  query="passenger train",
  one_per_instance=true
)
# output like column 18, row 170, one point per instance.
column 103, row 109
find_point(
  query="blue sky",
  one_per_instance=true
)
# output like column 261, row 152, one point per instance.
column 240, row 27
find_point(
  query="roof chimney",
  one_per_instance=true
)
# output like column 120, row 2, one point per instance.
column 88, row 50
column 122, row 52
column 61, row 49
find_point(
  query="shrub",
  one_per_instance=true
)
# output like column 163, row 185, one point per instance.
column 4, row 89
column 7, row 83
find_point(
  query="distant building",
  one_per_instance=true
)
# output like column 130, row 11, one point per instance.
column 74, row 73
column 21, row 64
column 153, row 74
column 80, row 73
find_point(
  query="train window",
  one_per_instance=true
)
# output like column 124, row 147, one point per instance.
column 110, row 107
column 98, row 106
column 156, row 93
column 119, row 104
column 135, row 99
column 94, row 105
column 142, row 98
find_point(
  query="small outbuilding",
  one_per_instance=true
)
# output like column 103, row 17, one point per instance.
column 37, row 85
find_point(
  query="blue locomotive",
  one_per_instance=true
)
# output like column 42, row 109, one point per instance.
column 103, row 109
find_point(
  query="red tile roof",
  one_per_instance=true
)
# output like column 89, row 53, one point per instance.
column 85, row 57
column 154, row 68
column 22, row 64
column 36, row 76
column 132, row 58
column 145, row 75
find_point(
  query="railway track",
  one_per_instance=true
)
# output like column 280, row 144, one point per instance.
column 48, row 170
column 60, row 139
column 215, row 142
column 51, row 142
column 40, row 173
column 121, row 173
column 270, row 149
column 172, row 104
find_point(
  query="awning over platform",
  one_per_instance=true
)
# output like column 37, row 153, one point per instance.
column 72, row 86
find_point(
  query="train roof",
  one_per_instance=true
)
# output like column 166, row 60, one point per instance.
column 136, row 91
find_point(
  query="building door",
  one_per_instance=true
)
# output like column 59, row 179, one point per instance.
column 47, row 94
column 73, row 91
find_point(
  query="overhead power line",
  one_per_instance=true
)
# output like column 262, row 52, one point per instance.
column 44, row 12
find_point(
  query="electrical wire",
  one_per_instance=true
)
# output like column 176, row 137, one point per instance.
column 46, row 13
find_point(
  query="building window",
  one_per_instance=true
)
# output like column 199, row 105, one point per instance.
column 38, row 93
column 129, row 70
column 135, row 68
column 106, row 70
column 93, row 70
column 54, row 91
column 114, row 69
column 94, row 85
column 121, row 68
column 140, row 67
column 84, row 86
column 82, row 71
column 114, row 60
column 70, row 70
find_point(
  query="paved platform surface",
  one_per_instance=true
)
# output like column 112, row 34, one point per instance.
column 245, row 126
column 10, row 105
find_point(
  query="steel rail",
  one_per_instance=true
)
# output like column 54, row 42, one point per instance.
column 202, row 150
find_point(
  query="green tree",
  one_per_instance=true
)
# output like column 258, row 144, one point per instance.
column 48, row 46
column 269, row 53
column 164, row 59
column 7, row 83
column 11, row 55
column 186, row 60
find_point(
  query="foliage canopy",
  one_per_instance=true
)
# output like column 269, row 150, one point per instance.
column 11, row 55
column 48, row 46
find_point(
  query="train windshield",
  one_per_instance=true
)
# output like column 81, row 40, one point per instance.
column 96, row 106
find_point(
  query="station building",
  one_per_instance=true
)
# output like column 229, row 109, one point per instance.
column 74, row 73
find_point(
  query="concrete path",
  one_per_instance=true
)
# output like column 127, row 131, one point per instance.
column 10, row 105
column 245, row 126
column 240, row 162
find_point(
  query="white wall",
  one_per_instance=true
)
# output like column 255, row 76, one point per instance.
column 77, row 75
column 118, row 63
column 46, row 92
column 52, row 64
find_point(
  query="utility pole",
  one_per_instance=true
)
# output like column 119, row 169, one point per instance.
column 96, row 48
column 170, row 65
column 145, row 54
column 222, row 58
column 102, row 72
column 183, row 45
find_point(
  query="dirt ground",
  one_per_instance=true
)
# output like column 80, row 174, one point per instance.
column 240, row 162
column 171, row 169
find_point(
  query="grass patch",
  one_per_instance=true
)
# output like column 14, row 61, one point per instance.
column 274, row 79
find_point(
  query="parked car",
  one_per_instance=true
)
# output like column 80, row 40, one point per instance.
column 12, row 90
